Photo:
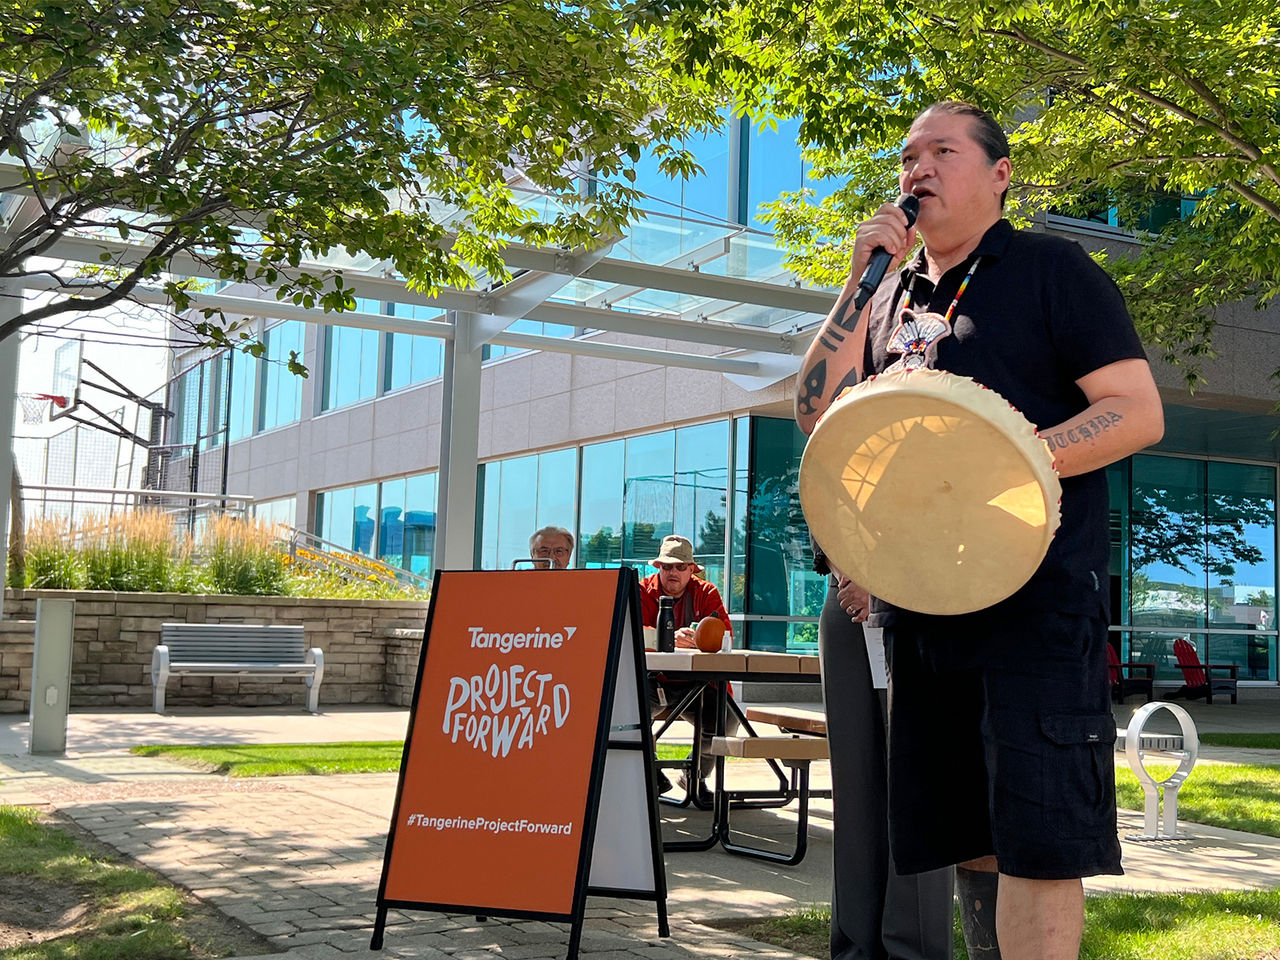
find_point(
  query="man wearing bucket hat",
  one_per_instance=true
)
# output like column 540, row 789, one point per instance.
column 693, row 599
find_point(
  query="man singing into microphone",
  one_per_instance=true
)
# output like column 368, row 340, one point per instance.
column 1019, row 792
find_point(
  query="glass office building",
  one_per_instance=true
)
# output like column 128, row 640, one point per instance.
column 624, row 452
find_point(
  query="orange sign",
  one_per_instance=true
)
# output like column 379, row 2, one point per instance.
column 495, row 782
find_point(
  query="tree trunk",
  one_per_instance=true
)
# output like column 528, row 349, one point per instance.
column 17, row 573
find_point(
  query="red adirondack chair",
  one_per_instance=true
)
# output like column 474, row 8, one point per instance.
column 1198, row 678
column 1130, row 678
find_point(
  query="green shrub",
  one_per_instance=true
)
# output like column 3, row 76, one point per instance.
column 241, row 557
column 53, row 563
column 129, row 552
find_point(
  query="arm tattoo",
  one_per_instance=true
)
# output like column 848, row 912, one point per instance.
column 831, row 339
column 815, row 381
column 1091, row 428
column 842, row 318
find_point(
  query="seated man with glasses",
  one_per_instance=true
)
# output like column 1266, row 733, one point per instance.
column 694, row 599
column 554, row 544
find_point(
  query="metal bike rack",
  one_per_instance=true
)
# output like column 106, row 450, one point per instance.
column 1184, row 749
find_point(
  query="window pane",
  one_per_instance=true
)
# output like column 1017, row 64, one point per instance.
column 701, row 480
column 738, row 547
column 420, row 523
column 391, row 522
column 363, row 518
column 211, row 421
column 600, row 524
column 491, row 479
column 282, row 390
column 412, row 359
column 648, row 507
column 557, row 488
column 244, row 392
column 782, row 581
column 350, row 366
column 1242, row 543
column 517, row 508
column 1169, row 586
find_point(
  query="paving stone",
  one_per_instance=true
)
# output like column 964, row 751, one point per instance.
column 275, row 929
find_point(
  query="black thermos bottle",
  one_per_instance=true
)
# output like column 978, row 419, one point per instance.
column 666, row 625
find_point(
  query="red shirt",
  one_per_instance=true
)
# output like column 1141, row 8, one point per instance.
column 700, row 599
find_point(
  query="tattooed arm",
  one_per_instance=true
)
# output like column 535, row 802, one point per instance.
column 1124, row 416
column 833, row 360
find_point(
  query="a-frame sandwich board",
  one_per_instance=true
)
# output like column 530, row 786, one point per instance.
column 527, row 763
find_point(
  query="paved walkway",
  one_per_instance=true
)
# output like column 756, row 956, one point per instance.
column 299, row 858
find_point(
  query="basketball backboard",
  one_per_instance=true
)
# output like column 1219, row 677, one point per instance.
column 67, row 363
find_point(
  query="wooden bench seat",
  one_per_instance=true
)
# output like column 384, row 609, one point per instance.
column 812, row 722
column 795, row 752
column 235, row 649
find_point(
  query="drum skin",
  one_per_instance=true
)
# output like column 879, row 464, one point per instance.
column 930, row 491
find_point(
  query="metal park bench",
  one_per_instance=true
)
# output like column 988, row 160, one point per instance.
column 235, row 650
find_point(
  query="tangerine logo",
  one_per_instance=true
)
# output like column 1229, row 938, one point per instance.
column 535, row 639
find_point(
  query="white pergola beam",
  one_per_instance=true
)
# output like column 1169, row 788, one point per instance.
column 242, row 307
column 622, row 351
column 667, row 328
column 692, row 282
column 507, row 305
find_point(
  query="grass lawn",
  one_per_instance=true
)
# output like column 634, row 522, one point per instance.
column 284, row 759
column 1236, row 796
column 66, row 899
column 1209, row 926
column 1255, row 741
column 294, row 759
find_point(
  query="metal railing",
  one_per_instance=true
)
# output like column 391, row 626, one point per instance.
column 187, row 506
column 309, row 549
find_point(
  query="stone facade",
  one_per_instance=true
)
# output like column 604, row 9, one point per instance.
column 370, row 648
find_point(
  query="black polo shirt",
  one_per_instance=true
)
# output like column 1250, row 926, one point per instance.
column 1037, row 315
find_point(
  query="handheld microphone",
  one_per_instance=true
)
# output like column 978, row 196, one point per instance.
column 880, row 257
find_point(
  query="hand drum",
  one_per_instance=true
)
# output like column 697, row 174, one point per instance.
column 930, row 491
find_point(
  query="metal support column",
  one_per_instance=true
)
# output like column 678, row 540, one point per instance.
column 459, row 449
column 10, row 304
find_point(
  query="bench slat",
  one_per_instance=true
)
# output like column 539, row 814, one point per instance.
column 796, row 719
column 774, row 748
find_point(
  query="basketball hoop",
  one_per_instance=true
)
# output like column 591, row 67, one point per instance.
column 34, row 405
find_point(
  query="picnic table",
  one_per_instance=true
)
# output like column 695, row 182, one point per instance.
column 715, row 671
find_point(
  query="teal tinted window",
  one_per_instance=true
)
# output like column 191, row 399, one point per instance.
column 738, row 541
column 1170, row 576
column 212, row 422
column 780, row 577
column 281, row 390
column 1202, row 549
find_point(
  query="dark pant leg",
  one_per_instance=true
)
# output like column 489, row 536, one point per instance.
column 875, row 914
column 704, row 707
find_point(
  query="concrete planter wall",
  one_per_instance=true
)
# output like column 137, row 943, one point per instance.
column 370, row 648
